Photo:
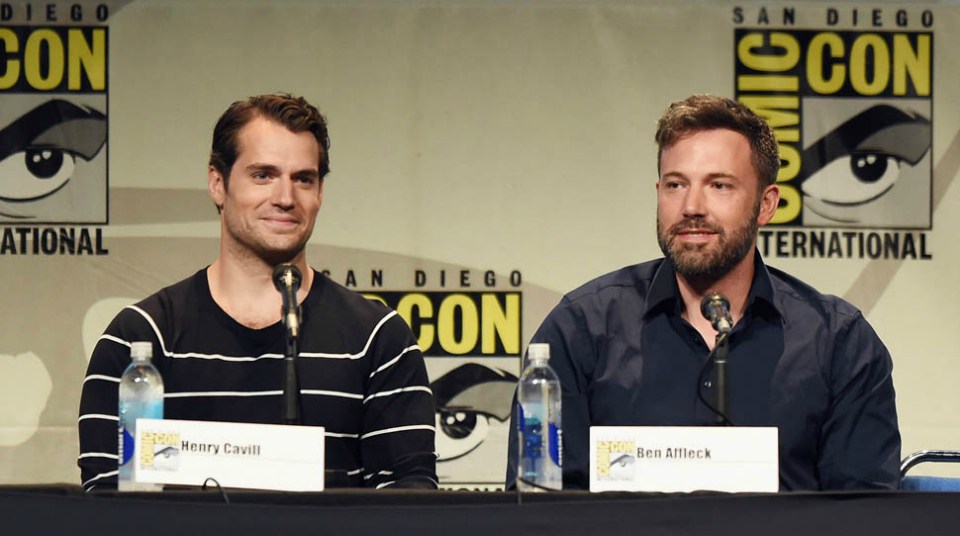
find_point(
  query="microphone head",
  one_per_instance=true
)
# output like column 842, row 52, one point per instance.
column 285, row 276
column 716, row 308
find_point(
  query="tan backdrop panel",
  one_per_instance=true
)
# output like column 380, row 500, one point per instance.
column 498, row 150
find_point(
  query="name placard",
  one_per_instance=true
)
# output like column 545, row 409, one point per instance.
column 237, row 455
column 684, row 458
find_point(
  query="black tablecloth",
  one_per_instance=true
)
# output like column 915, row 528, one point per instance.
column 64, row 510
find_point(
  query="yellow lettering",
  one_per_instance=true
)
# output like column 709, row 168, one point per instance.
column 769, row 62
column 832, row 44
column 859, row 65
column 770, row 108
column 89, row 58
column 11, row 45
column 790, row 162
column 54, row 57
column 790, row 201
column 497, row 321
column 421, row 306
column 469, row 324
column 915, row 62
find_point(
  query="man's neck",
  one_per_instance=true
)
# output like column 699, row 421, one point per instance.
column 244, row 289
column 734, row 285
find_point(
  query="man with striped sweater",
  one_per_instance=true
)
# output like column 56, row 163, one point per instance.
column 217, row 335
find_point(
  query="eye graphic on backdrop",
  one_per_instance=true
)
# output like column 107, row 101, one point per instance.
column 471, row 400
column 39, row 150
column 859, row 161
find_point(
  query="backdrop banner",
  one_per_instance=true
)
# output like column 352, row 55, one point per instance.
column 487, row 157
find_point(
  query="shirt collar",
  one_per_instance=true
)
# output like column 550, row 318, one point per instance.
column 664, row 294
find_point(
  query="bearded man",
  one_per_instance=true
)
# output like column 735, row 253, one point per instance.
column 630, row 347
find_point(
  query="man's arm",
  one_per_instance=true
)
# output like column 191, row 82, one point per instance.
column 398, row 433
column 572, row 354
column 860, row 440
column 97, row 423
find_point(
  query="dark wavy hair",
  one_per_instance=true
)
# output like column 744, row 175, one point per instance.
column 707, row 112
column 294, row 113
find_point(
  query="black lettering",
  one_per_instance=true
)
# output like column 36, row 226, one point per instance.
column 799, row 244
column 376, row 278
column 923, row 248
column 6, row 12
column 351, row 279
column 909, row 247
column 738, row 15
column 926, row 18
column 833, row 17
column 515, row 278
column 835, row 248
column 877, row 17
column 464, row 278
column 103, row 12
column 68, row 240
column 901, row 17
column 86, row 245
column 763, row 18
column 76, row 13
column 419, row 278
column 8, row 245
column 48, row 241
column 789, row 16
column 817, row 244
column 51, row 12
column 891, row 246
column 874, row 246
column 490, row 278
column 782, row 245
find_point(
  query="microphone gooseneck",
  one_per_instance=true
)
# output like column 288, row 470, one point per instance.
column 716, row 308
column 287, row 278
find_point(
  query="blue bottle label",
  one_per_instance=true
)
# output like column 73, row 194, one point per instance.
column 556, row 452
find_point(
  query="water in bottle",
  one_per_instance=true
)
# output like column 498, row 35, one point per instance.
column 538, row 398
column 141, row 396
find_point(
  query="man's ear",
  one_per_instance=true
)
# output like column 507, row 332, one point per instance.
column 769, row 201
column 216, row 187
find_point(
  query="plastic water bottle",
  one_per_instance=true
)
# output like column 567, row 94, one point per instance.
column 541, row 450
column 141, row 396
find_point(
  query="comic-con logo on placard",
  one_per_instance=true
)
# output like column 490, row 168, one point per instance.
column 53, row 136
column 852, row 112
column 615, row 460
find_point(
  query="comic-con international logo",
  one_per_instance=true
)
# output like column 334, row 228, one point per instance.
column 852, row 112
column 615, row 460
column 160, row 451
column 53, row 128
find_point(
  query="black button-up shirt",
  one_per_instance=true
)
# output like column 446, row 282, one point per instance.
column 807, row 363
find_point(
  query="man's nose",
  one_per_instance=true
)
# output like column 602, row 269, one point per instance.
column 283, row 192
column 694, row 202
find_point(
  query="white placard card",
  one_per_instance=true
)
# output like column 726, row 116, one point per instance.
column 237, row 455
column 683, row 458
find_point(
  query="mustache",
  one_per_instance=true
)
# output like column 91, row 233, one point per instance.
column 687, row 224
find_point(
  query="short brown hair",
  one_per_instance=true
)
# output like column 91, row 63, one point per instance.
column 707, row 112
column 294, row 113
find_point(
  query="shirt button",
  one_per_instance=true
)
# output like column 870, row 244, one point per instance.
column 708, row 384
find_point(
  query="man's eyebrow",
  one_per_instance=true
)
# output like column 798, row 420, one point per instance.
column 23, row 131
column 257, row 166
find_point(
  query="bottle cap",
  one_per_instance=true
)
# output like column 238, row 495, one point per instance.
column 141, row 350
column 538, row 352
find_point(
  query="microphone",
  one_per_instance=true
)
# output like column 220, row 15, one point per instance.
column 716, row 308
column 286, row 277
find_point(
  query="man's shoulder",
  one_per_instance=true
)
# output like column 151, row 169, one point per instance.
column 791, row 293
column 183, row 293
column 630, row 280
column 348, row 304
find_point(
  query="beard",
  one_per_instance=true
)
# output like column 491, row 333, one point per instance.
column 708, row 261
